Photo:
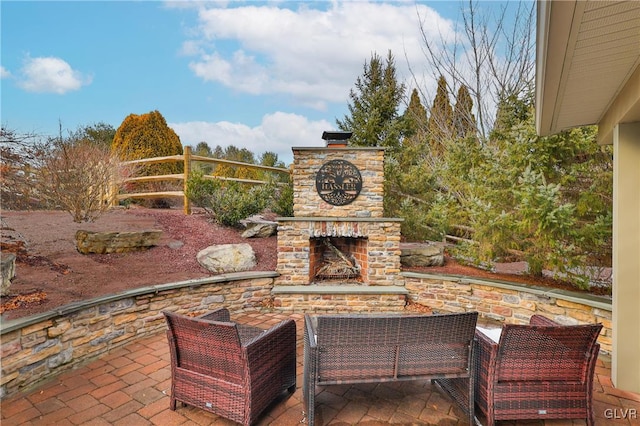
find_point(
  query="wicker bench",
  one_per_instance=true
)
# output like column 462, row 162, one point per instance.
column 341, row 349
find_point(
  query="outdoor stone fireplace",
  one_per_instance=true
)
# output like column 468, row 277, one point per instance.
column 338, row 241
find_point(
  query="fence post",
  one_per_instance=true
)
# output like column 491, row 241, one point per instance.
column 187, row 172
column 113, row 192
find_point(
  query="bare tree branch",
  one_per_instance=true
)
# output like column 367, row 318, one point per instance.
column 493, row 55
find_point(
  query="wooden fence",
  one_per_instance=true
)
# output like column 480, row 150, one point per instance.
column 187, row 159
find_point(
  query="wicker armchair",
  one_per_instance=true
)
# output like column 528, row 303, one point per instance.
column 229, row 369
column 538, row 371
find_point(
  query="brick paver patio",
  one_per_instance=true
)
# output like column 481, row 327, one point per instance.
column 130, row 386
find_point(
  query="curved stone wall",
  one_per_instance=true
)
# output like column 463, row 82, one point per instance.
column 510, row 303
column 38, row 347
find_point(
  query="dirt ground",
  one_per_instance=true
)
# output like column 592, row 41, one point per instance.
column 50, row 272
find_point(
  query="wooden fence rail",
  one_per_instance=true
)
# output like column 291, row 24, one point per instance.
column 187, row 159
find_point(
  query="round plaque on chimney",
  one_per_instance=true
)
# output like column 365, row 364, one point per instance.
column 338, row 182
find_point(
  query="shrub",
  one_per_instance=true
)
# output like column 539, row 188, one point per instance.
column 146, row 136
column 77, row 177
column 282, row 199
column 17, row 191
column 227, row 202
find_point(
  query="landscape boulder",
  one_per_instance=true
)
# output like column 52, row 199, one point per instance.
column 8, row 269
column 224, row 258
column 260, row 230
column 421, row 255
column 259, row 227
column 115, row 242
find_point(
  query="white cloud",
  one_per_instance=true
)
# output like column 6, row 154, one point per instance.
column 51, row 75
column 312, row 55
column 4, row 73
column 278, row 132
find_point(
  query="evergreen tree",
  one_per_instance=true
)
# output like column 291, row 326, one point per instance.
column 99, row 134
column 441, row 118
column 203, row 150
column 545, row 200
column 233, row 153
column 218, row 152
column 464, row 121
column 416, row 122
column 373, row 110
column 270, row 159
column 147, row 136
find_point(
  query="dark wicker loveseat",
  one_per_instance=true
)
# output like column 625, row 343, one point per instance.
column 233, row 370
column 538, row 371
column 340, row 349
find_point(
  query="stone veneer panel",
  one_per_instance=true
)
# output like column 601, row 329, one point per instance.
column 383, row 247
column 307, row 163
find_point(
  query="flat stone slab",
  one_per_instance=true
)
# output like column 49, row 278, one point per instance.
column 116, row 242
column 421, row 254
column 339, row 289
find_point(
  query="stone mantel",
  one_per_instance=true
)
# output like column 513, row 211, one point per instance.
column 338, row 148
column 338, row 219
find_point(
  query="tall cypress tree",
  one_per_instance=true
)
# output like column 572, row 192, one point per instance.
column 441, row 118
column 464, row 121
column 415, row 121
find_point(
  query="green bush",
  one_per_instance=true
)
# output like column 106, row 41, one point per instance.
column 282, row 199
column 227, row 202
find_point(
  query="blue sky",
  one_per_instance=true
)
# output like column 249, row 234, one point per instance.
column 266, row 76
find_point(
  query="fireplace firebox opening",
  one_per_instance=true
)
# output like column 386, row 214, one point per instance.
column 337, row 259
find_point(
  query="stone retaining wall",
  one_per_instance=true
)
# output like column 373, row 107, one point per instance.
column 38, row 347
column 510, row 303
